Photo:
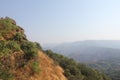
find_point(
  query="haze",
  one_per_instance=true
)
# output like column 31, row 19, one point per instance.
column 57, row 21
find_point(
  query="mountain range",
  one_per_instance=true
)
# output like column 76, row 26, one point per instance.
column 103, row 55
column 88, row 51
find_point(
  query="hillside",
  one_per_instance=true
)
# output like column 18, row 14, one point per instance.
column 50, row 71
column 74, row 70
column 103, row 55
column 110, row 66
column 21, row 59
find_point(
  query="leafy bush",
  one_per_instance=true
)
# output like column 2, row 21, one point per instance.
column 35, row 67
column 6, row 75
column 8, row 47
column 18, row 37
column 38, row 46
column 7, row 24
column 14, row 46
column 30, row 49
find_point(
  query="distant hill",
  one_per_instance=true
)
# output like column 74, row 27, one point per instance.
column 103, row 55
column 88, row 51
column 110, row 66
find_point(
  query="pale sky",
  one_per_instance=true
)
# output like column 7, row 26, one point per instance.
column 58, row 21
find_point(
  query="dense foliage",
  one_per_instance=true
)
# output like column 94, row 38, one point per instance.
column 8, row 47
column 74, row 70
column 30, row 49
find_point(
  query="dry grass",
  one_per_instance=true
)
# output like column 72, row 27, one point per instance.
column 49, row 71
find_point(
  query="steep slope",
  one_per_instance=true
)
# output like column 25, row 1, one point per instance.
column 50, row 71
column 21, row 59
column 74, row 70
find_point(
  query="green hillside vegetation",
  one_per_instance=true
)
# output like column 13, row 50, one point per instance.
column 74, row 70
column 111, row 67
column 16, row 53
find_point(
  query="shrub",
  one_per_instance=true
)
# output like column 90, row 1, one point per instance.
column 6, row 75
column 18, row 37
column 38, row 46
column 3, row 49
column 35, row 67
column 30, row 49
column 8, row 47
column 13, row 45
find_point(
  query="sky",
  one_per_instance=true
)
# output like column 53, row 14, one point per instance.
column 58, row 21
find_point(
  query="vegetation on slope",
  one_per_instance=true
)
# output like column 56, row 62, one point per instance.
column 21, row 59
column 74, row 70
column 18, row 56
column 111, row 67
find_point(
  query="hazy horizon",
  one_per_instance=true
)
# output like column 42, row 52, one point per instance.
column 51, row 21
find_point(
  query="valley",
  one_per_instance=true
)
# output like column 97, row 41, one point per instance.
column 103, row 55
